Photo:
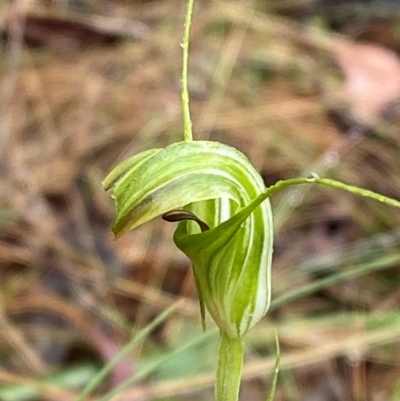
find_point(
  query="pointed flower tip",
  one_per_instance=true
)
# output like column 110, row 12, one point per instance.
column 105, row 185
column 117, row 235
column 117, row 230
column 109, row 180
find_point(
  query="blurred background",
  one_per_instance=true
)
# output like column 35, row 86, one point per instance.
column 301, row 87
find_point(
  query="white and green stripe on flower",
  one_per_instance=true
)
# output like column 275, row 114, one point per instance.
column 225, row 233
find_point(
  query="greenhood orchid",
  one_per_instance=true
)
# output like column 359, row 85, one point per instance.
column 227, row 238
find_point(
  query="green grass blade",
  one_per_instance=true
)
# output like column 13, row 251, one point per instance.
column 271, row 393
column 145, row 372
column 97, row 380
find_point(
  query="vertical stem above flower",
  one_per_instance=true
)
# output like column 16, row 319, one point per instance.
column 187, row 121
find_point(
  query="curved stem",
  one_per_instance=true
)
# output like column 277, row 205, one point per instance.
column 229, row 371
column 280, row 185
column 366, row 193
column 187, row 122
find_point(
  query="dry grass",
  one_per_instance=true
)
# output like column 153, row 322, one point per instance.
column 71, row 109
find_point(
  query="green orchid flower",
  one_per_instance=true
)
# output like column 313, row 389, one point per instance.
column 225, row 229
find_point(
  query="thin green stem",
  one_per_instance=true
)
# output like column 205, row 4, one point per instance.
column 187, row 121
column 229, row 371
column 99, row 378
column 280, row 185
column 271, row 394
column 152, row 367
column 366, row 193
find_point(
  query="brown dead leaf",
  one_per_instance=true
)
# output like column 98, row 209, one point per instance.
column 372, row 77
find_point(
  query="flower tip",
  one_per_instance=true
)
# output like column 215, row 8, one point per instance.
column 106, row 184
column 118, row 233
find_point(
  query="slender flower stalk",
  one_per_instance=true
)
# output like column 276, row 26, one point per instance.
column 229, row 370
column 187, row 121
